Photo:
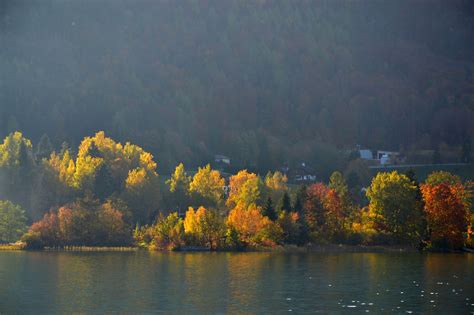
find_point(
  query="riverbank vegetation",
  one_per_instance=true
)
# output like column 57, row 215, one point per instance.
column 110, row 194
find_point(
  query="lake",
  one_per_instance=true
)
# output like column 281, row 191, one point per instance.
column 151, row 282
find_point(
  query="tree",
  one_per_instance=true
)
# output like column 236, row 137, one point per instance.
column 45, row 148
column 245, row 188
column 300, row 197
column 204, row 227
column 276, row 181
column 447, row 214
column 179, row 181
column 167, row 233
column 339, row 185
column 439, row 177
column 83, row 222
column 394, row 205
column 179, row 187
column 12, row 222
column 285, row 203
column 15, row 151
column 253, row 228
column 289, row 223
column 208, row 185
column 268, row 210
column 323, row 212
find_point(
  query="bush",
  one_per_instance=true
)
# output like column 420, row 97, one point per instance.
column 33, row 240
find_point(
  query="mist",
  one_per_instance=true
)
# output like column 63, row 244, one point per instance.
column 298, row 81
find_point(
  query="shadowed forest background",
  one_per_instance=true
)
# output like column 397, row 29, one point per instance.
column 264, row 82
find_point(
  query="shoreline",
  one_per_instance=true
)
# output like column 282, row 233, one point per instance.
column 290, row 249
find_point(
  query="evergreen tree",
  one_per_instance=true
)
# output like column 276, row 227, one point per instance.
column 299, row 199
column 268, row 210
column 285, row 203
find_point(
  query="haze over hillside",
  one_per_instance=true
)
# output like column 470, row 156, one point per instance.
column 264, row 82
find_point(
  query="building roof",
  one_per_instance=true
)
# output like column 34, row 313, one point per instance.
column 366, row 154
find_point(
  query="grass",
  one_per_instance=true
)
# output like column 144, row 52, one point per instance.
column 16, row 246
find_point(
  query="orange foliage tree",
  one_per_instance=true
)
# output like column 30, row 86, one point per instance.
column 253, row 228
column 245, row 188
column 447, row 213
column 323, row 211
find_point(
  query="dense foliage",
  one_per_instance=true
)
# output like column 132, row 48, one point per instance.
column 97, row 196
column 264, row 82
column 12, row 222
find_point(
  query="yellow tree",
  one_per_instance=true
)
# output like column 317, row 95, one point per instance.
column 245, row 188
column 208, row 185
column 275, row 184
column 204, row 227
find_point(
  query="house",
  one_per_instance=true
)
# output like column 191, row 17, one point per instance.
column 388, row 157
column 221, row 159
column 304, row 173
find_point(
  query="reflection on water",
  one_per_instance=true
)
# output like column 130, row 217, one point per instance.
column 45, row 282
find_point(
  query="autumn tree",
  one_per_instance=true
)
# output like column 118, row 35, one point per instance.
column 245, row 188
column 83, row 222
column 447, row 213
column 207, row 186
column 394, row 205
column 290, row 225
column 253, row 228
column 204, row 227
column 275, row 184
column 323, row 212
column 179, row 187
column 166, row 234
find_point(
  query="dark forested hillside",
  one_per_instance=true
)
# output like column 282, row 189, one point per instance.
column 264, row 82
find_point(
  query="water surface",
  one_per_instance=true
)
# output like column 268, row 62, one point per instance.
column 142, row 282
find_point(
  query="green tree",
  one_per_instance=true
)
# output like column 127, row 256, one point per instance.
column 285, row 203
column 268, row 210
column 394, row 206
column 179, row 188
column 440, row 177
column 12, row 222
column 300, row 197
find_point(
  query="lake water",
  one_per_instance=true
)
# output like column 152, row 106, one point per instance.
column 142, row 282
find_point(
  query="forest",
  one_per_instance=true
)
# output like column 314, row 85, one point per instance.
column 107, row 193
column 263, row 82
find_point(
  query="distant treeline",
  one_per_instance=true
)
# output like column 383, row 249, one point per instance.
column 264, row 82
column 110, row 194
